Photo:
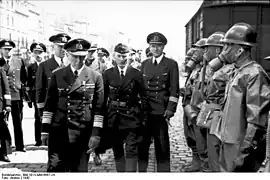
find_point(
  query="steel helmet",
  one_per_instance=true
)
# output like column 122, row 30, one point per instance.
column 214, row 39
column 190, row 53
column 242, row 34
column 200, row 43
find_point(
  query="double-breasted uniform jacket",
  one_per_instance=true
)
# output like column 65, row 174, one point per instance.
column 16, row 75
column 31, row 81
column 43, row 77
column 126, row 102
column 74, row 102
column 162, row 84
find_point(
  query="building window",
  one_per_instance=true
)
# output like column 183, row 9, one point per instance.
column 7, row 20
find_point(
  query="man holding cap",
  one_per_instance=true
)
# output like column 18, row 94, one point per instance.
column 161, row 76
column 72, row 119
column 37, row 49
column 45, row 69
column 126, row 109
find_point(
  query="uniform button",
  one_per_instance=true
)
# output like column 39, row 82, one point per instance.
column 68, row 104
column 67, row 89
column 117, row 99
column 158, row 77
column 68, row 97
column 127, row 112
column 148, row 82
column 117, row 111
column 68, row 111
column 69, row 118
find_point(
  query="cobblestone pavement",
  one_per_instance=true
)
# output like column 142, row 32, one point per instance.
column 35, row 158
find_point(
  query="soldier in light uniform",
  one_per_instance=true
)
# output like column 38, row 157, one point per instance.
column 247, row 102
column 17, row 77
column 45, row 68
column 161, row 78
column 189, row 126
column 214, row 96
column 72, row 117
column 126, row 109
column 37, row 49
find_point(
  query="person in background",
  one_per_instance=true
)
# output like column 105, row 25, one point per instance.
column 37, row 49
column 45, row 68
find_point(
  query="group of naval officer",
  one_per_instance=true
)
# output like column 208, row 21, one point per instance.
column 80, row 110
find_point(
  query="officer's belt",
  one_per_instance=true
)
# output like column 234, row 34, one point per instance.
column 118, row 103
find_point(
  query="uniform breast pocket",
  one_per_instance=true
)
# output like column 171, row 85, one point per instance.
column 89, row 90
column 113, row 88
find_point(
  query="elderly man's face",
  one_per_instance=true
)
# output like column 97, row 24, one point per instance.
column 156, row 49
column 75, row 61
column 59, row 50
column 5, row 52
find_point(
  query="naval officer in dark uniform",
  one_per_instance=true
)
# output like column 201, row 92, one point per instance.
column 45, row 68
column 72, row 119
column 161, row 78
column 37, row 49
column 126, row 109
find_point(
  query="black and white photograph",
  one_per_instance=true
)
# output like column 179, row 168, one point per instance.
column 134, row 87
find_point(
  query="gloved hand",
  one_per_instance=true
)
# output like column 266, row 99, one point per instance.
column 168, row 114
column 29, row 104
column 45, row 139
column 93, row 143
column 8, row 109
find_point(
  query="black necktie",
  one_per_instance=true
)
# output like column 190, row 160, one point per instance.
column 122, row 74
column 7, row 62
column 76, row 73
column 155, row 62
column 62, row 63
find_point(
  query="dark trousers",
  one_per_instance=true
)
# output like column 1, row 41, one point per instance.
column 201, row 143
column 126, row 160
column 37, row 125
column 64, row 156
column 156, row 127
column 213, row 146
column 16, row 113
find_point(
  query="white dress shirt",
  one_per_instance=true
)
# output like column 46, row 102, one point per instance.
column 158, row 59
column 79, row 70
column 124, row 69
column 58, row 60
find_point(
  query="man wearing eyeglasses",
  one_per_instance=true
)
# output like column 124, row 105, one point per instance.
column 161, row 77
column 46, row 68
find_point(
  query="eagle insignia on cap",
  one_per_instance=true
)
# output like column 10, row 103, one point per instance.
column 79, row 46
column 155, row 38
column 38, row 47
column 7, row 44
column 64, row 39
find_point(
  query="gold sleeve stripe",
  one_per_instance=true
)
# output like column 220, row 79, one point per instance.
column 40, row 105
column 173, row 99
column 7, row 96
column 98, row 121
column 47, row 117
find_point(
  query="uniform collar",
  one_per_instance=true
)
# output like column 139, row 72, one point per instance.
column 124, row 69
column 158, row 59
column 58, row 60
column 79, row 70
